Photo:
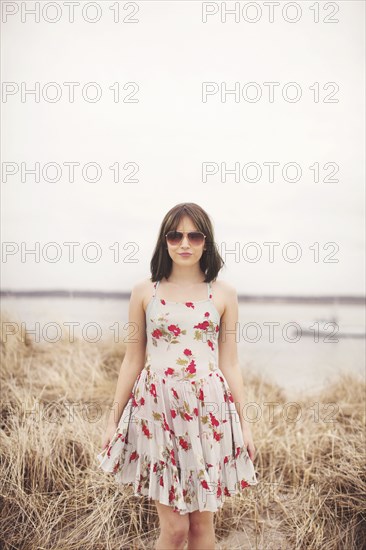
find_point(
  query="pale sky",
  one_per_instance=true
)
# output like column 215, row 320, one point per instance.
column 170, row 132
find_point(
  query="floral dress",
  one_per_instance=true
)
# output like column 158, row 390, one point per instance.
column 179, row 439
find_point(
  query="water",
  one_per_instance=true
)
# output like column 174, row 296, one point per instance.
column 296, row 361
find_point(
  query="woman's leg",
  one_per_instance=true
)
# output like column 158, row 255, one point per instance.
column 173, row 528
column 201, row 534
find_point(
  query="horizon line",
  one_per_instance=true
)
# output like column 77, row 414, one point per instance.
column 118, row 295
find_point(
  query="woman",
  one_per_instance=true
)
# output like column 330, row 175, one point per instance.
column 178, row 432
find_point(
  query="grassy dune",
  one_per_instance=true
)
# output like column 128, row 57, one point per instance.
column 55, row 399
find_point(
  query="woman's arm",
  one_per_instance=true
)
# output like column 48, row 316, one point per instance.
column 134, row 359
column 229, row 362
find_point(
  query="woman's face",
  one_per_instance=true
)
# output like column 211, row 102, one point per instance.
column 194, row 252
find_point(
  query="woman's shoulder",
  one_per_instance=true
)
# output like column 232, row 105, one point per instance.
column 224, row 296
column 143, row 289
column 225, row 288
column 142, row 285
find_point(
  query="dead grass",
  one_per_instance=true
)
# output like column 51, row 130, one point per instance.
column 54, row 404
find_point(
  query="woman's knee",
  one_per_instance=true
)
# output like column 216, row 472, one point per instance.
column 199, row 524
column 176, row 533
column 197, row 529
column 173, row 526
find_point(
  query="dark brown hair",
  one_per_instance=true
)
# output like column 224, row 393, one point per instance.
column 210, row 262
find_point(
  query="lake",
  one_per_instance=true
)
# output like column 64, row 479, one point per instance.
column 295, row 354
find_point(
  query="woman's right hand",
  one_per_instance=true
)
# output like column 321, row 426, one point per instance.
column 108, row 434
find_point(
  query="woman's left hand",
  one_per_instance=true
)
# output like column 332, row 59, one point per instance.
column 248, row 440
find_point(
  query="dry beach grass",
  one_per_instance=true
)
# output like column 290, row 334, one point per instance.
column 311, row 469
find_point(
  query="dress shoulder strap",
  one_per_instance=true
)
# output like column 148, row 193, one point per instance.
column 209, row 291
column 156, row 284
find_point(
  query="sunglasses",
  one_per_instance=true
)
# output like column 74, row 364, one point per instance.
column 195, row 237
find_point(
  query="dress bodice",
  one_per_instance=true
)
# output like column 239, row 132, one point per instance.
column 182, row 337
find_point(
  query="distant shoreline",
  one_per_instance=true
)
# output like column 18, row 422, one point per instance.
column 96, row 294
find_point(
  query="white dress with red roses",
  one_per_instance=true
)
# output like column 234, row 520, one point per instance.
column 179, row 438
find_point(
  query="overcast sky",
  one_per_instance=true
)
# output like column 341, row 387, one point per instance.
column 170, row 131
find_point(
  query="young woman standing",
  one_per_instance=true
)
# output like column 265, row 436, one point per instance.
column 179, row 434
